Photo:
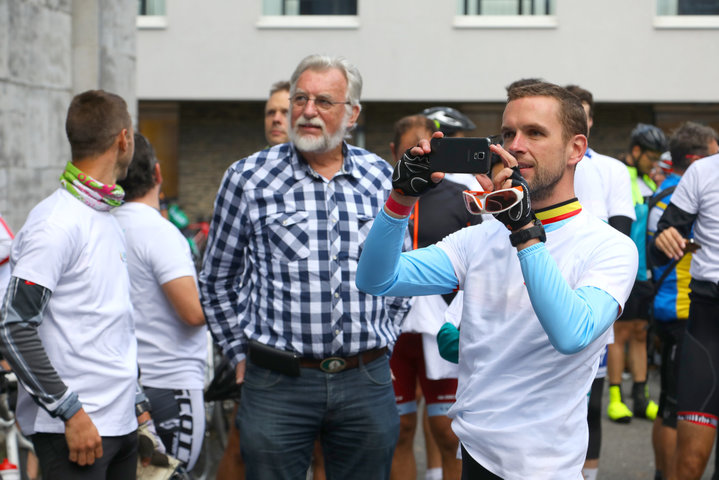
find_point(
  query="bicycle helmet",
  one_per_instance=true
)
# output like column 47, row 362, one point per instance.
column 448, row 120
column 648, row 137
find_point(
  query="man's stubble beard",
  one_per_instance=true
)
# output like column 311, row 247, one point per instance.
column 542, row 185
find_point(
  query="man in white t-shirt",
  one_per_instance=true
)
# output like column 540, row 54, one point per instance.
column 694, row 207
column 169, row 322
column 536, row 315
column 66, row 326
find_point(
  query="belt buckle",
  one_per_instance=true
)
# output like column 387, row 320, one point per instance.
column 333, row 364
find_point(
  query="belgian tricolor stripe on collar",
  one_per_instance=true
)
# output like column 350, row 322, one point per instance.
column 559, row 212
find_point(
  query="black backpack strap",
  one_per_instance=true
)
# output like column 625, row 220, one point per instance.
column 664, row 276
column 658, row 198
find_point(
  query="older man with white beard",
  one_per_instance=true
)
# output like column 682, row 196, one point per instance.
column 278, row 286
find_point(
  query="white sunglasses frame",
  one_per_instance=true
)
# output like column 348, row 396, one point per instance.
column 471, row 194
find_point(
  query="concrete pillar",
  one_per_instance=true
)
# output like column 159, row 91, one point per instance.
column 49, row 51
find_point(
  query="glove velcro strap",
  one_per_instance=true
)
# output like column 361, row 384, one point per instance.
column 397, row 208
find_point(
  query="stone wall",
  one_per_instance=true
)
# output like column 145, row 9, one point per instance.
column 45, row 58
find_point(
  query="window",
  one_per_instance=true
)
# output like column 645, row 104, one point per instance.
column 309, row 7
column 687, row 7
column 687, row 14
column 311, row 14
column 151, row 14
column 151, row 7
column 505, row 7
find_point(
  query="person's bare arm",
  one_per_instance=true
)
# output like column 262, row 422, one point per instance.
column 182, row 294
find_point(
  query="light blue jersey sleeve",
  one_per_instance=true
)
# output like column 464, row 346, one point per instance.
column 384, row 270
column 572, row 318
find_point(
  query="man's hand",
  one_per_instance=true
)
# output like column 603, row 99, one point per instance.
column 83, row 439
column 671, row 243
column 411, row 176
column 240, row 371
column 520, row 215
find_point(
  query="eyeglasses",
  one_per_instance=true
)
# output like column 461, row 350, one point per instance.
column 652, row 155
column 300, row 100
column 492, row 202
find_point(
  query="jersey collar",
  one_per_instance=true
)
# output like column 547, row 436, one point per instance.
column 557, row 213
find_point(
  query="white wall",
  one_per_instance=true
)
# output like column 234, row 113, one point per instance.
column 409, row 50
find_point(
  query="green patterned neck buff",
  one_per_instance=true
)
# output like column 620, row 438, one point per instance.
column 91, row 192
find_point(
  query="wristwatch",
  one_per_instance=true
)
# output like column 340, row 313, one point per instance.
column 536, row 231
column 142, row 407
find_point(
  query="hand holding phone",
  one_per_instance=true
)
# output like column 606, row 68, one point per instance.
column 691, row 246
column 460, row 155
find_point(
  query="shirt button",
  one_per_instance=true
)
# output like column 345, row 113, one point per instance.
column 334, row 257
column 337, row 295
column 337, row 332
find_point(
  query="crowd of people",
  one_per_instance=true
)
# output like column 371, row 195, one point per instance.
column 347, row 291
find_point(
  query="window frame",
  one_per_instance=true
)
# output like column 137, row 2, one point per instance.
column 519, row 20
column 151, row 22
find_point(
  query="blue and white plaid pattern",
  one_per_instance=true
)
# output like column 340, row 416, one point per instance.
column 282, row 256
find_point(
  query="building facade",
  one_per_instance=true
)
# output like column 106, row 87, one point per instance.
column 205, row 69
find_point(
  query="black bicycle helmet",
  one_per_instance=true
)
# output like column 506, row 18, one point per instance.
column 448, row 120
column 648, row 137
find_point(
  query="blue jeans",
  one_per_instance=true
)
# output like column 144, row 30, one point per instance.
column 353, row 412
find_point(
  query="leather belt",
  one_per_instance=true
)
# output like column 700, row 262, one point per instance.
column 338, row 364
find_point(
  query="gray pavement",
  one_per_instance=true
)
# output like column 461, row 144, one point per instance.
column 626, row 452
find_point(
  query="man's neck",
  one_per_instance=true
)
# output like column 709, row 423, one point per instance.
column 151, row 198
column 563, row 191
column 326, row 164
column 100, row 167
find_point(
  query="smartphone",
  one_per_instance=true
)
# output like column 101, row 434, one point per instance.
column 460, row 155
column 691, row 246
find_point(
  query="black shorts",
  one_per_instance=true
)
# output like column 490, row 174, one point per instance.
column 118, row 461
column 594, row 419
column 699, row 363
column 639, row 301
column 671, row 335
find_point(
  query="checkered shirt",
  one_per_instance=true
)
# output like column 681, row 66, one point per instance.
column 282, row 256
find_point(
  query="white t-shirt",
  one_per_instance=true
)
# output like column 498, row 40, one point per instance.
column 521, row 405
column 698, row 193
column 426, row 317
column 171, row 353
column 466, row 179
column 603, row 186
column 590, row 188
column 617, row 184
column 79, row 254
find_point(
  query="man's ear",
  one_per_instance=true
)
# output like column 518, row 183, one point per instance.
column 124, row 139
column 157, row 174
column 577, row 146
column 393, row 150
column 356, row 109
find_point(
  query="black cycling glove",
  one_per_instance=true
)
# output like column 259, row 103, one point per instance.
column 411, row 175
column 521, row 214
